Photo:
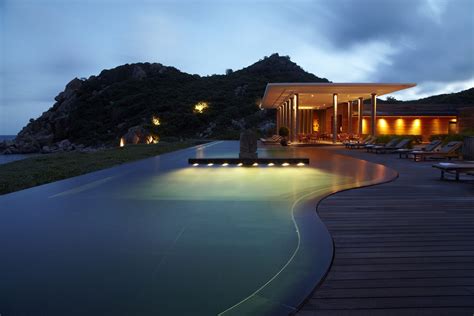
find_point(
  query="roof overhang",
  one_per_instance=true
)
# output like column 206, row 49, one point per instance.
column 320, row 95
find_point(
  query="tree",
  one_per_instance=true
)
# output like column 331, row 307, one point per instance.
column 391, row 99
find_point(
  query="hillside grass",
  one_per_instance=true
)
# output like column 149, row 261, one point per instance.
column 42, row 169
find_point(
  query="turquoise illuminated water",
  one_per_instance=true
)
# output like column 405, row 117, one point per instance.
column 161, row 237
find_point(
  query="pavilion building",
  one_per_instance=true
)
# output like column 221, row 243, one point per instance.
column 307, row 108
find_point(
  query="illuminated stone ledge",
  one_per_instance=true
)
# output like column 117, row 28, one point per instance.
column 248, row 162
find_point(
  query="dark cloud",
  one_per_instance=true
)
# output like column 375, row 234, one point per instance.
column 46, row 43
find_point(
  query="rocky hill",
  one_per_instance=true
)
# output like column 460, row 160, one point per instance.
column 130, row 100
column 98, row 111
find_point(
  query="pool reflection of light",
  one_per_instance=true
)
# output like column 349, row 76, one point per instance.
column 236, row 184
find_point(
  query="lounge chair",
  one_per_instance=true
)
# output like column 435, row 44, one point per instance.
column 367, row 141
column 349, row 143
column 387, row 149
column 455, row 168
column 404, row 152
column 391, row 143
column 275, row 139
column 450, row 150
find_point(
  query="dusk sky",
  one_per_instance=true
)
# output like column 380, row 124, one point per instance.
column 46, row 43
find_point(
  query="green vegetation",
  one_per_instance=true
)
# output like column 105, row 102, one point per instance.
column 446, row 138
column 415, row 139
column 43, row 169
column 284, row 131
column 99, row 110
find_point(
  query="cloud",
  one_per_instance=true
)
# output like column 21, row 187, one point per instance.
column 46, row 43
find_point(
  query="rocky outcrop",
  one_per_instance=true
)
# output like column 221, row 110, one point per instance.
column 47, row 133
column 137, row 135
column 120, row 103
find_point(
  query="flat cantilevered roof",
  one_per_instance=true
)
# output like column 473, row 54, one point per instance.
column 319, row 95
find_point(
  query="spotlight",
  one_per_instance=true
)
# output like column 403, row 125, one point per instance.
column 299, row 164
column 210, row 164
column 239, row 164
column 225, row 164
column 195, row 164
column 285, row 164
column 255, row 164
column 271, row 164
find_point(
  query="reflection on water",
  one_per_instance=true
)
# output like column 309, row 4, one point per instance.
column 234, row 183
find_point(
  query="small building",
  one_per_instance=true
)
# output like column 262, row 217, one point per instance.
column 307, row 108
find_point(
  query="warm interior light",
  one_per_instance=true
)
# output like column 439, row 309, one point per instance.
column 255, row 164
column 195, row 164
column 210, row 164
column 299, row 164
column 155, row 120
column 271, row 164
column 122, row 142
column 200, row 107
column 239, row 164
column 285, row 164
column 382, row 126
column 225, row 164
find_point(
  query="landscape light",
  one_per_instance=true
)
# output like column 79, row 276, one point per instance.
column 299, row 164
column 155, row 120
column 225, row 164
column 200, row 107
column 255, row 164
column 210, row 164
column 195, row 164
column 271, row 164
column 285, row 164
column 239, row 164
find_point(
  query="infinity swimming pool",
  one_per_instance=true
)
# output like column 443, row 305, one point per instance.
column 161, row 237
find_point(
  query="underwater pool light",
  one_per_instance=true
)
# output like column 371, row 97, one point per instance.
column 245, row 162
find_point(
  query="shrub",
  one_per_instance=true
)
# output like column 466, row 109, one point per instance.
column 284, row 131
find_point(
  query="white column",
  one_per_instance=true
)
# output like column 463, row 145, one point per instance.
column 360, row 104
column 373, row 114
column 294, row 126
column 334, row 121
column 349, row 117
column 277, row 120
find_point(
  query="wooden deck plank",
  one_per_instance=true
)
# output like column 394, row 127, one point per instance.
column 401, row 248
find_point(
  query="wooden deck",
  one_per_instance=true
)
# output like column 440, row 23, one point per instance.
column 401, row 248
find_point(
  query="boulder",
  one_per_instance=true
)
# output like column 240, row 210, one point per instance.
column 136, row 135
column 71, row 88
column 138, row 73
column 64, row 145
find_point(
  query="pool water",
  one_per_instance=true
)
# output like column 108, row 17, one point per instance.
column 161, row 237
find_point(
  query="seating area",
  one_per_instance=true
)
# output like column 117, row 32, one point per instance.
column 435, row 150
column 315, row 137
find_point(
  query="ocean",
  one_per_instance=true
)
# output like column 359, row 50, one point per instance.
column 9, row 158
